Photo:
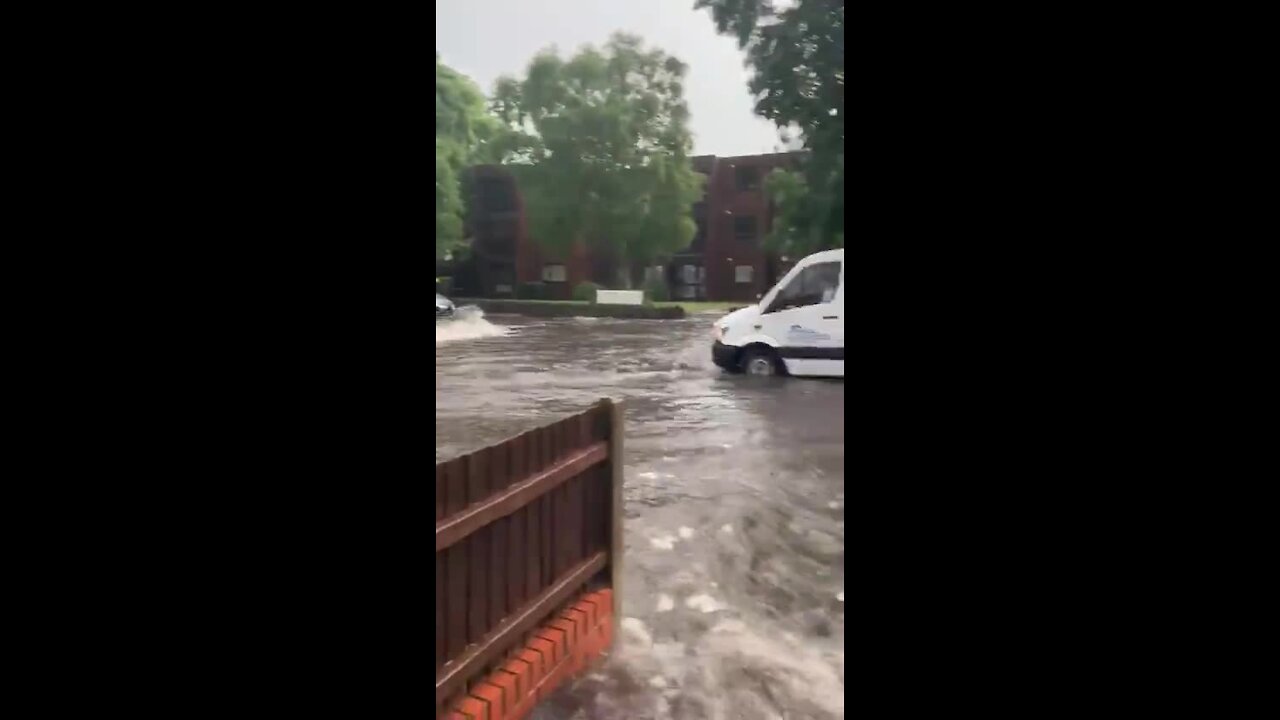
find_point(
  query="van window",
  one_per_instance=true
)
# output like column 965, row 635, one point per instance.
column 814, row 285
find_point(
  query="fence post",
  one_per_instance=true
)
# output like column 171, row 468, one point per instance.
column 615, row 507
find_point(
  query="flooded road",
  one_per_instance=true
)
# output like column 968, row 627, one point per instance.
column 734, row 583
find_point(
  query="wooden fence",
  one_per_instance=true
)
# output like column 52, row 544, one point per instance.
column 522, row 529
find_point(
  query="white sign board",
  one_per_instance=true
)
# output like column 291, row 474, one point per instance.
column 620, row 297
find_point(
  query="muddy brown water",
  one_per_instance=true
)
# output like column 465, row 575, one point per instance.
column 733, row 595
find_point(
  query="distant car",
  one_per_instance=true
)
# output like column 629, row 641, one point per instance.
column 444, row 307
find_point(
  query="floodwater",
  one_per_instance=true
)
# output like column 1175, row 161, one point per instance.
column 733, row 584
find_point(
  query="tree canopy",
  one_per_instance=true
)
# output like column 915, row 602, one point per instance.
column 600, row 145
column 796, row 50
column 464, row 131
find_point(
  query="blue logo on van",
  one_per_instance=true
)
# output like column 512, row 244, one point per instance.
column 801, row 334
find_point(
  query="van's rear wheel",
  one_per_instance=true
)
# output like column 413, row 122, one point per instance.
column 760, row 361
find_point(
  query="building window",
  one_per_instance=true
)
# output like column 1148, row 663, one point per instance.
column 748, row 178
column 742, row 273
column 553, row 273
column 700, row 223
column 689, row 274
column 744, row 228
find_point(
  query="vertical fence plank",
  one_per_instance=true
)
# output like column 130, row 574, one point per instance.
column 531, row 442
column 541, row 543
column 564, row 543
column 517, row 458
column 559, row 506
column 557, row 530
column 455, row 487
column 477, row 546
column 518, row 533
column 478, row 583
column 600, row 421
column 564, row 437
column 440, row 488
column 559, row 439
column 587, row 421
column 582, row 516
column 499, row 544
column 442, row 648
column 535, row 450
column 457, row 605
column 500, row 467
column 599, row 493
column 590, row 484
column 548, row 450
column 456, row 585
column 548, row 540
column 600, row 509
column 533, row 549
column 615, row 515
column 477, row 476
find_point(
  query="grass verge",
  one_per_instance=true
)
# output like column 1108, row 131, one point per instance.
column 700, row 307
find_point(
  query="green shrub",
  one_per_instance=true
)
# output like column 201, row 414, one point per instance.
column 656, row 290
column 531, row 291
column 585, row 292
column 444, row 286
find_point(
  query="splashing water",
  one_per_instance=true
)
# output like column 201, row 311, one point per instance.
column 734, row 671
column 468, row 323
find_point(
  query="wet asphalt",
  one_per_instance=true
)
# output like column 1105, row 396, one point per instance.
column 734, row 580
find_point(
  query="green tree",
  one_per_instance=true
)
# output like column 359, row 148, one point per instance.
column 797, row 55
column 792, row 232
column 465, row 133
column 600, row 146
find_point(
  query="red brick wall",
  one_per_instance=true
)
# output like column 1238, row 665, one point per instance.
column 577, row 262
column 723, row 252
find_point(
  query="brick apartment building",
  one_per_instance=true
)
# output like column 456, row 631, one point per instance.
column 495, row 226
column 725, row 261
column 503, row 256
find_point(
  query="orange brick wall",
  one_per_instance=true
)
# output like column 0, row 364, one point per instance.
column 559, row 651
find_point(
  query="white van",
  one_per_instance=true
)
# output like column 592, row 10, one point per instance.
column 797, row 328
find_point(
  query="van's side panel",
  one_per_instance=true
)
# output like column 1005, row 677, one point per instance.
column 817, row 368
column 809, row 339
column 816, row 342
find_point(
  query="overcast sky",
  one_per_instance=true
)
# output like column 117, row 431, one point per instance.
column 485, row 39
